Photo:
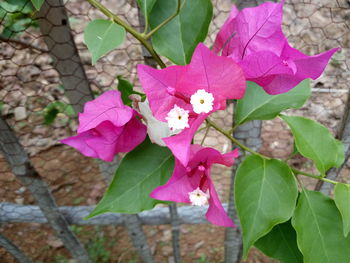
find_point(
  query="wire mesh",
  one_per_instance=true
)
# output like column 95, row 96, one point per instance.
column 33, row 102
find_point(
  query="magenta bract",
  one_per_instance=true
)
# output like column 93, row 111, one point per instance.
column 254, row 39
column 175, row 85
column 107, row 127
column 196, row 175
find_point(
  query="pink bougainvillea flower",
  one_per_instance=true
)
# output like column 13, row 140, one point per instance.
column 254, row 39
column 107, row 127
column 251, row 30
column 184, row 96
column 193, row 183
column 280, row 74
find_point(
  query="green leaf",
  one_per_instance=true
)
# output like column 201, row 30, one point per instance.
column 318, row 224
column 37, row 4
column 315, row 142
column 281, row 244
column 50, row 115
column 51, row 111
column 102, row 36
column 125, row 87
column 340, row 154
column 342, row 201
column 146, row 7
column 178, row 39
column 13, row 6
column 140, row 171
column 265, row 195
column 258, row 105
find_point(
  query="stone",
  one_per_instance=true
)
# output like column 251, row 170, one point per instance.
column 20, row 113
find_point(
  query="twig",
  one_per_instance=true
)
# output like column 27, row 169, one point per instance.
column 235, row 141
column 205, row 134
column 166, row 21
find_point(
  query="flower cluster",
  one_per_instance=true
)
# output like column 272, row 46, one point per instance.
column 254, row 39
column 107, row 127
column 250, row 46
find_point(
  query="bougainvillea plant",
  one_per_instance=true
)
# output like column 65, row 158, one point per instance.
column 250, row 62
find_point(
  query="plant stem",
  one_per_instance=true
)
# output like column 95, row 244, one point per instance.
column 232, row 129
column 319, row 177
column 242, row 146
column 205, row 135
column 129, row 29
column 166, row 21
column 234, row 140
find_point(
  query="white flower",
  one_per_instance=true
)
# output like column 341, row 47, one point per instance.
column 202, row 101
column 177, row 118
column 156, row 129
column 198, row 197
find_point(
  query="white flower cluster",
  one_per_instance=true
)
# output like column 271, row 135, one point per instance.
column 198, row 197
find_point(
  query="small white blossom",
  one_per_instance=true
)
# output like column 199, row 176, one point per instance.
column 177, row 118
column 202, row 101
column 198, row 197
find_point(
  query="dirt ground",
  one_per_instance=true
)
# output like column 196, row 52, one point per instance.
column 71, row 185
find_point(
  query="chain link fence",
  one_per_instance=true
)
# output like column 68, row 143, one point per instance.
column 46, row 77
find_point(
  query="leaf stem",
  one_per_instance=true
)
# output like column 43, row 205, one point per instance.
column 205, row 134
column 319, row 177
column 139, row 36
column 233, row 128
column 242, row 146
column 234, row 140
column 166, row 21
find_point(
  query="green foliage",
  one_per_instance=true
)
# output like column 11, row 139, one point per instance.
column 318, row 224
column 1, row 107
column 258, row 105
column 140, row 171
column 126, row 88
column 54, row 108
column 315, row 142
column 102, row 36
column 15, row 17
column 96, row 247
column 342, row 201
column 146, row 7
column 265, row 195
column 37, row 4
column 281, row 243
column 60, row 259
column 178, row 39
column 203, row 259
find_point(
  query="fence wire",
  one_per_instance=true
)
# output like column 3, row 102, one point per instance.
column 36, row 102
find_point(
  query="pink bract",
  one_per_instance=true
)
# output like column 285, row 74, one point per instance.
column 108, row 106
column 250, row 30
column 107, row 128
column 218, row 75
column 174, row 85
column 254, row 39
column 186, row 179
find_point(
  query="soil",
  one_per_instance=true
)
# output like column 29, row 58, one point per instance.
column 61, row 167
